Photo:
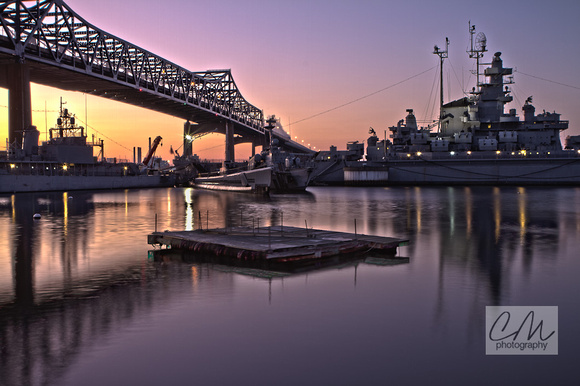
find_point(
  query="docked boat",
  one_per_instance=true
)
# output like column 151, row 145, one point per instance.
column 66, row 162
column 273, row 170
column 254, row 181
column 475, row 142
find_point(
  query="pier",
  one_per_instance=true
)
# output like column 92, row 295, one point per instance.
column 274, row 244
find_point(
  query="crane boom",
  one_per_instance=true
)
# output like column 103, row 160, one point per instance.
column 149, row 155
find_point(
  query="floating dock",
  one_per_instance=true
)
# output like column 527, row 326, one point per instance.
column 274, row 244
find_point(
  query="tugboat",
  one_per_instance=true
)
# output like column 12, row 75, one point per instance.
column 66, row 162
column 476, row 141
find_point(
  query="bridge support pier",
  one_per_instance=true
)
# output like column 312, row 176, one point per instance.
column 19, row 102
column 229, row 156
column 187, row 140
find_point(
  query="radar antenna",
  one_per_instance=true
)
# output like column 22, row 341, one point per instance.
column 480, row 42
column 477, row 49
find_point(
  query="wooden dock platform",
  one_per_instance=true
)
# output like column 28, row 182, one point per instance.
column 280, row 244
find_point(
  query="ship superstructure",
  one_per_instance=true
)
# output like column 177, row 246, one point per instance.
column 479, row 122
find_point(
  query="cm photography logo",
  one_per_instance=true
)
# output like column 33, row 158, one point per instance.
column 519, row 330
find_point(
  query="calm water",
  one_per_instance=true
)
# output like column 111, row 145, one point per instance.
column 81, row 304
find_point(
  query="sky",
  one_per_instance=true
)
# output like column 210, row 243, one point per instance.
column 329, row 70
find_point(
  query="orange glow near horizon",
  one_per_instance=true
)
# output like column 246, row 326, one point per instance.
column 120, row 125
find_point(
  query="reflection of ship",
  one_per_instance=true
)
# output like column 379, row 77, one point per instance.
column 476, row 141
column 66, row 162
column 272, row 170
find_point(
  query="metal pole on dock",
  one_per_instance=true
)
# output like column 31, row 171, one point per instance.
column 155, row 222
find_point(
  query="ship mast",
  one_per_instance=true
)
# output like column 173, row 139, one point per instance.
column 443, row 54
column 477, row 49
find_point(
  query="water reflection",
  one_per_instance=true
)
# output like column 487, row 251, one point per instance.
column 80, row 273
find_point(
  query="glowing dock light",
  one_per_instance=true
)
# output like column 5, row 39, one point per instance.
column 452, row 153
column 12, row 166
column 419, row 154
column 498, row 152
column 64, row 167
column 408, row 154
column 469, row 152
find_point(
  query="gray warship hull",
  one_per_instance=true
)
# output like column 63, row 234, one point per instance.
column 529, row 171
column 555, row 170
column 15, row 183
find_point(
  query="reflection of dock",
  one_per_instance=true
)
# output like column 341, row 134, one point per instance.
column 279, row 244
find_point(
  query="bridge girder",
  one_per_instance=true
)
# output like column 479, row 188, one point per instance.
column 62, row 50
column 50, row 37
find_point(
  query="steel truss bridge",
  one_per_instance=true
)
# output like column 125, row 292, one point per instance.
column 46, row 42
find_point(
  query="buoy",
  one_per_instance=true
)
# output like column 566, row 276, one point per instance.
column 36, row 216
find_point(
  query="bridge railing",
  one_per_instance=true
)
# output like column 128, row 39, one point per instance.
column 51, row 32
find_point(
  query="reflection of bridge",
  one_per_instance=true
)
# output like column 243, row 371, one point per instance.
column 47, row 43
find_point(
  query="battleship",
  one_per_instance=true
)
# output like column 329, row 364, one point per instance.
column 66, row 162
column 476, row 141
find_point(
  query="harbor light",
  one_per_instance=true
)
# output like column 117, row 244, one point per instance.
column 498, row 152
column 12, row 166
column 469, row 152
column 419, row 154
column 64, row 167
column 408, row 154
column 452, row 153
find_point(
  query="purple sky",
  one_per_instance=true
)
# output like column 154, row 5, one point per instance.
column 299, row 58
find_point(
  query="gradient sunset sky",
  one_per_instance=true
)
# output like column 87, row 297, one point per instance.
column 298, row 59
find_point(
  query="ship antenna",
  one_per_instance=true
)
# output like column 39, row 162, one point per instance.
column 443, row 54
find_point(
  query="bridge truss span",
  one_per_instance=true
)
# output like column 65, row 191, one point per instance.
column 49, row 36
